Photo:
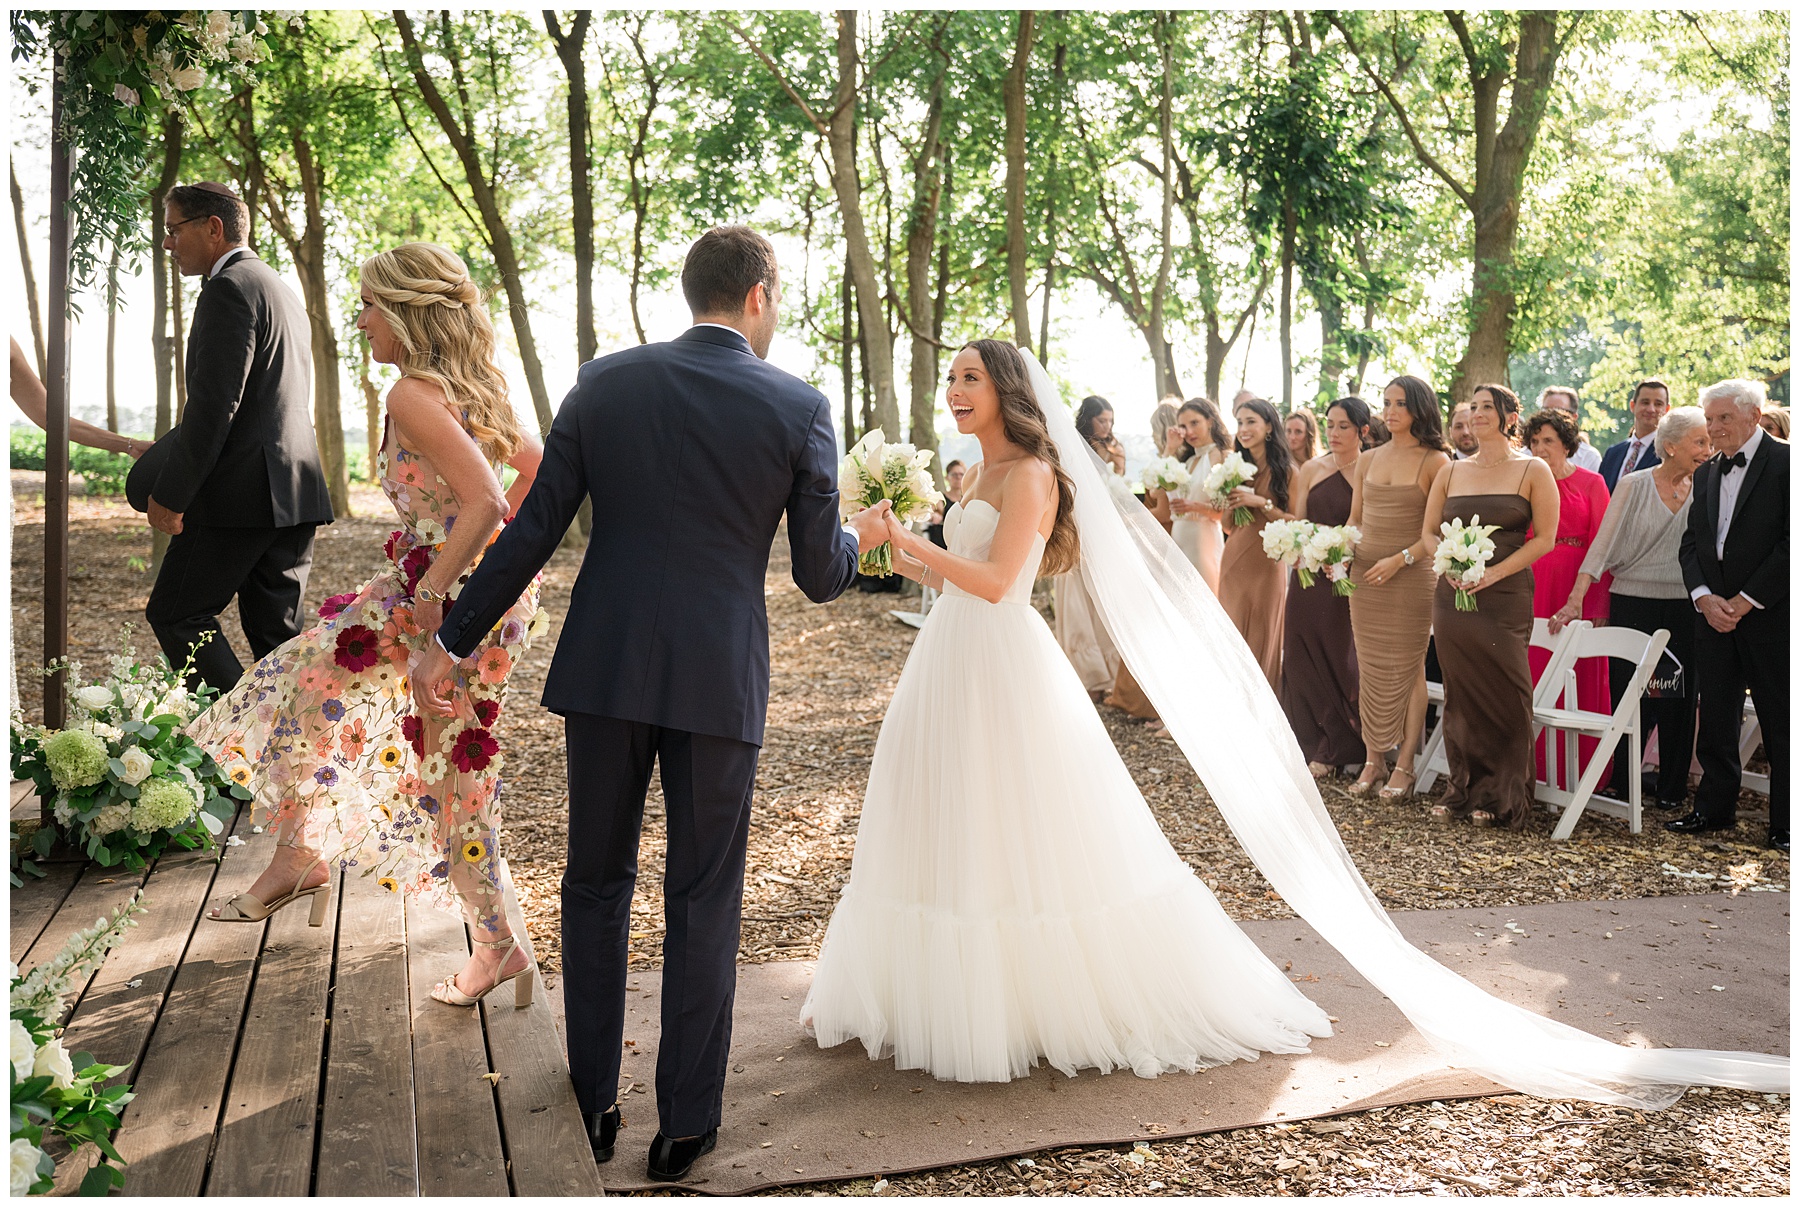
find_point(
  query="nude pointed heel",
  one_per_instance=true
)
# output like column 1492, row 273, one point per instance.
column 447, row 992
column 245, row 908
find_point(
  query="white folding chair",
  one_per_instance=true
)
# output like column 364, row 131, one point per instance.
column 914, row 619
column 1748, row 737
column 1432, row 759
column 1643, row 650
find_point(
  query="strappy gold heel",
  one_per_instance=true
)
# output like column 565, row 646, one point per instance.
column 245, row 908
column 446, row 991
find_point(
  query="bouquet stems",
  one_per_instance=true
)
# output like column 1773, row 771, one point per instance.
column 1241, row 517
column 1465, row 600
column 1342, row 586
column 877, row 562
column 1306, row 578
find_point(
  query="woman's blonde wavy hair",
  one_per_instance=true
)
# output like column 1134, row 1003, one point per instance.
column 434, row 309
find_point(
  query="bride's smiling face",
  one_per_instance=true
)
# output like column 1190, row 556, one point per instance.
column 970, row 393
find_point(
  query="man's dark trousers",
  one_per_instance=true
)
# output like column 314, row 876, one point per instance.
column 707, row 784
column 203, row 567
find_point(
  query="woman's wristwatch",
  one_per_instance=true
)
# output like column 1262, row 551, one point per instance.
column 1406, row 555
column 425, row 594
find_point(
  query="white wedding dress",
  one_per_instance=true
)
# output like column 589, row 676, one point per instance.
column 1012, row 899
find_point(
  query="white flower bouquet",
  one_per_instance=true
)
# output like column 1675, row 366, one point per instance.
column 1463, row 555
column 125, row 780
column 874, row 470
column 1329, row 550
column 56, row 1093
column 1285, row 541
column 1165, row 474
column 1234, row 471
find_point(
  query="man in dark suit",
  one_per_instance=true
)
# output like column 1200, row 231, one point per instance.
column 1734, row 560
column 241, row 489
column 1649, row 403
column 697, row 447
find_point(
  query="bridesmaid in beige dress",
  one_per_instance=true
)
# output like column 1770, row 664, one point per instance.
column 1197, row 529
column 1252, row 585
column 1390, row 611
column 1485, row 653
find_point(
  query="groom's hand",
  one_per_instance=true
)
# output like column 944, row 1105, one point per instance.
column 429, row 677
column 870, row 527
column 164, row 520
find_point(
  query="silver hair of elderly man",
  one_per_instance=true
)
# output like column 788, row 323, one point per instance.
column 1675, row 427
column 1749, row 395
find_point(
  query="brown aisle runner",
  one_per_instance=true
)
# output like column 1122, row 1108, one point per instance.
column 1704, row 972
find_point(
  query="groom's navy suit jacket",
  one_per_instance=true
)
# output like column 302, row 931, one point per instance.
column 691, row 451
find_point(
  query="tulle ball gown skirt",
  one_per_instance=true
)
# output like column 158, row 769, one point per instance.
column 1012, row 900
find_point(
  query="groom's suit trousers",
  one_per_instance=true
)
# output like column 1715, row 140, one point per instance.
column 707, row 785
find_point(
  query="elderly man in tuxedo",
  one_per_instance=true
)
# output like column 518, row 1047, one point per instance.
column 1649, row 403
column 237, row 484
column 1734, row 560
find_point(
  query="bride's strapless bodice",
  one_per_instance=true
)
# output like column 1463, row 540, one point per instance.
column 969, row 534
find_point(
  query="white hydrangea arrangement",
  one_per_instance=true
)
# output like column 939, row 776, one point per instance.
column 124, row 779
column 874, row 470
column 55, row 1092
column 1463, row 555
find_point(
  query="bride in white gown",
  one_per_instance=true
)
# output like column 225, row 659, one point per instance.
column 1012, row 900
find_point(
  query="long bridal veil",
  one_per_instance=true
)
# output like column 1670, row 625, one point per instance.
column 1232, row 730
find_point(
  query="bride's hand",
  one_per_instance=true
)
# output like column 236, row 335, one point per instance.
column 899, row 534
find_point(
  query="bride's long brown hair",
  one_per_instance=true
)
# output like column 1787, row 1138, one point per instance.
column 1023, row 423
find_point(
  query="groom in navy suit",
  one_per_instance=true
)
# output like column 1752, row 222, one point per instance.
column 692, row 451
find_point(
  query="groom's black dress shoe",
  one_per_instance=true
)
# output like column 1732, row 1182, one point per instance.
column 1779, row 842
column 603, row 1132
column 670, row 1160
column 1697, row 823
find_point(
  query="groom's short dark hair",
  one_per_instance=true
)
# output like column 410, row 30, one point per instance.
column 723, row 266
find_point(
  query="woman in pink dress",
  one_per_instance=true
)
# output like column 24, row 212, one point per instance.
column 1553, row 438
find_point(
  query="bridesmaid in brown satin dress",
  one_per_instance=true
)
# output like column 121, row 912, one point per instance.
column 1485, row 653
column 1252, row 587
column 1318, row 653
column 1390, row 612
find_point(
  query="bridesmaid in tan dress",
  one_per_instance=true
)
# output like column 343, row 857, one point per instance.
column 1390, row 611
column 1485, row 653
column 1253, row 586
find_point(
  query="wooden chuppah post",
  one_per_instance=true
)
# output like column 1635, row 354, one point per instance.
column 56, row 422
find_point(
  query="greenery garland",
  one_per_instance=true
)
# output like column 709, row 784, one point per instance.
column 120, row 71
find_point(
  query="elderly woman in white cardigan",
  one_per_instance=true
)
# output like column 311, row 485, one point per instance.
column 1640, row 542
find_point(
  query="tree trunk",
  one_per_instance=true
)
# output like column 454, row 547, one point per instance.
column 1331, row 339
column 371, row 409
column 1354, row 386
column 877, row 342
column 848, row 341
column 309, row 265
column 31, row 297
column 1287, row 303
column 921, row 242
column 164, row 351
column 506, row 257
column 112, row 340
column 568, row 49
column 1013, row 99
column 640, row 186
column 1166, row 382
column 1059, row 74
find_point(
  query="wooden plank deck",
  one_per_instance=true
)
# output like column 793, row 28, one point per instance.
column 280, row 1059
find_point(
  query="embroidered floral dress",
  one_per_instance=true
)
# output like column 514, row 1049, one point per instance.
column 322, row 730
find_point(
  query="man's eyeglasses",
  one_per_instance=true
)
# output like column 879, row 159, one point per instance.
column 172, row 225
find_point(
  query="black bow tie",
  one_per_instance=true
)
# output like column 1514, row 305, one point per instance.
column 1727, row 464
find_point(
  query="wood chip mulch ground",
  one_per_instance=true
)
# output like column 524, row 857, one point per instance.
column 834, row 668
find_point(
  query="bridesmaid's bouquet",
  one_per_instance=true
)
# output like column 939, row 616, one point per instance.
column 1165, row 474
column 1463, row 556
column 1286, row 541
column 1234, row 471
column 1330, row 549
column 874, row 470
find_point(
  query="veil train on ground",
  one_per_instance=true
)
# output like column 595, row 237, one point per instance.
column 1230, row 727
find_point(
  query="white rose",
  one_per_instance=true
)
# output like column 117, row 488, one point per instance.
column 218, row 23
column 95, row 698
column 24, row 1050
column 124, row 95
column 53, row 1062
column 25, row 1157
column 137, row 762
column 189, row 78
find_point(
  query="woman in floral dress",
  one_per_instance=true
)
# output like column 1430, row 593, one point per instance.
column 322, row 729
